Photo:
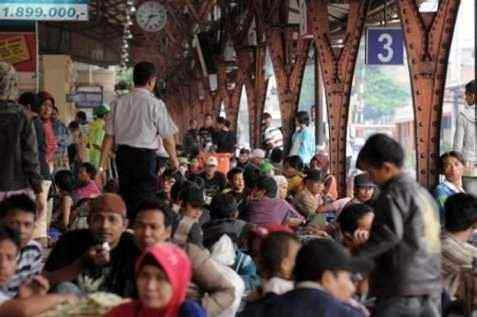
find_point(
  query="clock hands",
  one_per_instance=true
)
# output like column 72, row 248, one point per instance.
column 149, row 18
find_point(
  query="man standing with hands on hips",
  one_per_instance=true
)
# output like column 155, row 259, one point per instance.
column 134, row 124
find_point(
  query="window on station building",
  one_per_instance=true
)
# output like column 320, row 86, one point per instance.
column 243, row 122
column 321, row 119
column 222, row 112
column 272, row 102
column 307, row 91
column 381, row 102
column 461, row 70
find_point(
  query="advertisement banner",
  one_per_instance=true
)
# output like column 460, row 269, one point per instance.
column 20, row 50
column 44, row 10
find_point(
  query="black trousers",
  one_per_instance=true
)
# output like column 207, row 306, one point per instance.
column 137, row 176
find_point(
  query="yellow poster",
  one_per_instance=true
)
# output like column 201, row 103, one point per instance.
column 14, row 49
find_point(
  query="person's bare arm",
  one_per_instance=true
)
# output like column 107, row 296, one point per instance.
column 96, row 256
column 170, row 146
column 34, row 305
column 66, row 273
column 105, row 150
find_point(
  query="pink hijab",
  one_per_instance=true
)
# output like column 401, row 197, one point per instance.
column 177, row 267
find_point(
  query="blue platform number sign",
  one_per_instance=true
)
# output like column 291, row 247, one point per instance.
column 384, row 46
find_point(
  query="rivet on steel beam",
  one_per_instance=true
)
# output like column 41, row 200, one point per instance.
column 423, row 172
column 435, row 124
column 433, row 139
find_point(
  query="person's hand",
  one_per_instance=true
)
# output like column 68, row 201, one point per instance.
column 314, row 230
column 102, row 177
column 360, row 236
column 295, row 222
column 38, row 285
column 68, row 298
column 40, row 206
column 97, row 256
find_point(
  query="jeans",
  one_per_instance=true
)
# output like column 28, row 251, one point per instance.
column 408, row 306
column 137, row 176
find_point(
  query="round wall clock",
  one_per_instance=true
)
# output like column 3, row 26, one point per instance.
column 151, row 16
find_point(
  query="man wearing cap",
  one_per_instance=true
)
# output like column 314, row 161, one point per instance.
column 100, row 258
column 466, row 127
column 214, row 180
column 310, row 198
column 364, row 191
column 134, row 125
column 323, row 284
column 20, row 170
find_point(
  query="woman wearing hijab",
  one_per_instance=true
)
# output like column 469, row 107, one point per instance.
column 163, row 274
column 321, row 162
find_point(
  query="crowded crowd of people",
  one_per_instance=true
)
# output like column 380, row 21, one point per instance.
column 115, row 205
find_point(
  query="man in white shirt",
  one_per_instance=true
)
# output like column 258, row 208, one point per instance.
column 134, row 124
column 272, row 136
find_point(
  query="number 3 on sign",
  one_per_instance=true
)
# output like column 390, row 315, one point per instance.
column 387, row 41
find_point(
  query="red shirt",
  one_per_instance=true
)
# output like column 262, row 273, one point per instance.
column 50, row 140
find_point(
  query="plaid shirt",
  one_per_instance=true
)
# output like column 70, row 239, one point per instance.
column 29, row 265
column 456, row 254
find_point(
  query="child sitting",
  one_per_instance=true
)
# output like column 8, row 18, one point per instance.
column 277, row 261
column 225, row 212
column 192, row 216
column 65, row 183
column 32, row 298
column 18, row 213
column 87, row 187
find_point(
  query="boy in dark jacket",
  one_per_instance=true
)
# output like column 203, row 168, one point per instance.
column 405, row 235
column 323, row 285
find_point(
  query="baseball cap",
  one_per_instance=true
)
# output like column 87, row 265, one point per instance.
column 212, row 161
column 258, row 153
column 266, row 167
column 244, row 151
column 109, row 202
column 471, row 87
column 363, row 180
column 319, row 255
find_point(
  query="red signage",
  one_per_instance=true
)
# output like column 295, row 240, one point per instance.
column 19, row 49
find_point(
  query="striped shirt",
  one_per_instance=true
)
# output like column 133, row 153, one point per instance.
column 29, row 265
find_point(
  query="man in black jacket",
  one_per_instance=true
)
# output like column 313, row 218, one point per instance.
column 405, row 236
column 19, row 159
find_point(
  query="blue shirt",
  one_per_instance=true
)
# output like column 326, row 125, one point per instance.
column 304, row 140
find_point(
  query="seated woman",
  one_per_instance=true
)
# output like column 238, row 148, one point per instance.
column 321, row 161
column 163, row 274
column 451, row 165
column 87, row 187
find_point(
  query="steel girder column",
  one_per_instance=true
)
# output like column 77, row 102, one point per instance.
column 288, row 70
column 250, row 64
column 338, row 71
column 428, row 38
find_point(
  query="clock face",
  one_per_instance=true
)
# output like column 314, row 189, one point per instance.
column 151, row 16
